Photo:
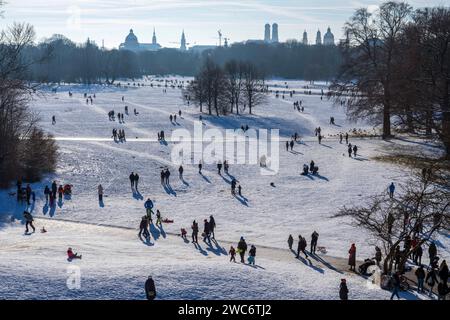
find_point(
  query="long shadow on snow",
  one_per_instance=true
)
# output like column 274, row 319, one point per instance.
column 169, row 190
column 205, row 178
column 325, row 263
column 217, row 250
column 200, row 249
column 242, row 200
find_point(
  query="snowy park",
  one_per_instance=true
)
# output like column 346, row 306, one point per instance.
column 116, row 262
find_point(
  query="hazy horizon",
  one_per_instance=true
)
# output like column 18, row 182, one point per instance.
column 111, row 20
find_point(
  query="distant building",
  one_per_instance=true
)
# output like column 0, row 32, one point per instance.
column 132, row 44
column 305, row 38
column 201, row 48
column 275, row 33
column 318, row 38
column 328, row 38
column 267, row 33
column 183, row 42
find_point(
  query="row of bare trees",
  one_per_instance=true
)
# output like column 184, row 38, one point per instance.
column 234, row 88
column 26, row 152
column 396, row 69
column 420, row 210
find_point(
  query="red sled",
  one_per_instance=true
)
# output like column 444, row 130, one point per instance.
column 167, row 221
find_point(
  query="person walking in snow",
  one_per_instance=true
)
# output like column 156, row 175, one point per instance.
column 232, row 253
column 219, row 167
column 352, row 257
column 346, row 138
column 355, row 150
column 242, row 248
column 132, row 180
column 150, row 290
column 212, row 225
column 291, row 144
column 143, row 228
column 252, row 255
column 167, row 176
column 301, row 247
column 340, row 138
column 290, row 241
column 148, row 205
column 136, row 181
column 200, row 167
column 233, row 186
column 180, row 171
column 378, row 255
column 54, row 189
column 443, row 272
column 391, row 190
column 206, row 231
column 28, row 221
column 46, row 193
column 53, row 120
column 432, row 251
column 431, row 280
column 343, row 290
column 60, row 192
column 194, row 228
column 314, row 239
column 396, row 285
column 163, row 176
column 350, row 150
column 158, row 218
column 420, row 275
column 100, row 193
column 287, row 145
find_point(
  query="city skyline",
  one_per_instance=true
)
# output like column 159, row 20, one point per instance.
column 110, row 20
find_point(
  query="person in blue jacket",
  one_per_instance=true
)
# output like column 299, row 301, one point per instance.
column 149, row 206
column 391, row 190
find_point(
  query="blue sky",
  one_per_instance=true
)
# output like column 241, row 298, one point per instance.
column 110, row 20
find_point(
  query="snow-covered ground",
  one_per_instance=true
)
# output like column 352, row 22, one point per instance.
column 115, row 262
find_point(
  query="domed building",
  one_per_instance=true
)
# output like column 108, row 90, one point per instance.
column 328, row 38
column 132, row 44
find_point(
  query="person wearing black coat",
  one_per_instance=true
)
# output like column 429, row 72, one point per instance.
column 54, row 189
column 290, row 241
column 432, row 251
column 301, row 246
column 443, row 272
column 431, row 280
column 206, row 231
column 194, row 232
column 420, row 274
column 150, row 290
column 132, row 180
column 212, row 225
column 28, row 221
column 143, row 227
column 343, row 290
column 242, row 248
column 314, row 239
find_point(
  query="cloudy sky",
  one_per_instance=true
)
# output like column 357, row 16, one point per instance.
column 110, row 20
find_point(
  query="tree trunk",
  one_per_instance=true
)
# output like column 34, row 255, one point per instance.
column 386, row 121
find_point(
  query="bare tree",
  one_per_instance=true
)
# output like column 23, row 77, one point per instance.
column 420, row 210
column 253, row 87
column 18, row 125
column 366, row 77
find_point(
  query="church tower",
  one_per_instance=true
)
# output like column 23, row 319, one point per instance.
column 154, row 42
column 305, row 38
column 267, row 33
column 318, row 38
column 275, row 33
column 183, row 42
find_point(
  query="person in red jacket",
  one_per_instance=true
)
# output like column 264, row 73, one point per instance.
column 72, row 255
column 352, row 257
